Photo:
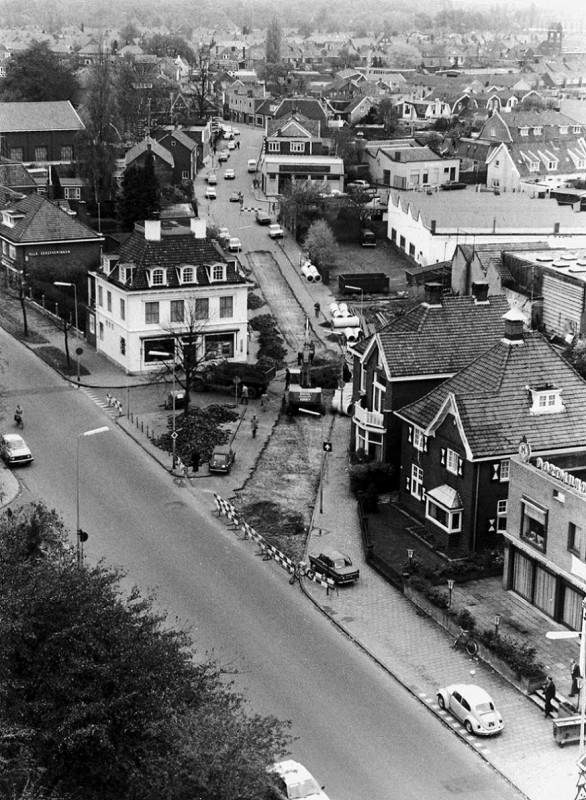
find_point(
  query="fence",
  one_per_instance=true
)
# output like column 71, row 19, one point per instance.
column 297, row 571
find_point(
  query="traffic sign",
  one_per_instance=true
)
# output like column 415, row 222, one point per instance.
column 174, row 435
column 327, row 447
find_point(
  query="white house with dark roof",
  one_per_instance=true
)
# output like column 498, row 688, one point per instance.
column 168, row 282
column 458, row 440
column 429, row 227
column 410, row 166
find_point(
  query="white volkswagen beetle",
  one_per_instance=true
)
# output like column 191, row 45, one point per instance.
column 473, row 707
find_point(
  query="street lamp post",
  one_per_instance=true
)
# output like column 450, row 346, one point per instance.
column 79, row 533
column 173, row 417
column 450, row 590
column 323, row 457
column 65, row 283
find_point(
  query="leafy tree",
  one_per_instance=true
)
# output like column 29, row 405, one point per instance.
column 101, row 698
column 576, row 355
column 321, row 244
column 140, row 192
column 404, row 56
column 300, row 206
column 129, row 32
column 273, row 42
column 167, row 44
column 37, row 75
column 130, row 104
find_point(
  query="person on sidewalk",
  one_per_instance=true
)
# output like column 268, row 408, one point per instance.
column 264, row 401
column 180, row 468
column 195, row 457
column 575, row 676
column 244, row 395
column 287, row 379
column 254, row 425
column 317, row 309
column 549, row 694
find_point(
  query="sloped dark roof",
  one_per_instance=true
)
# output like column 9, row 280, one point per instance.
column 493, row 402
column 57, row 115
column 43, row 221
column 15, row 174
column 441, row 340
column 177, row 247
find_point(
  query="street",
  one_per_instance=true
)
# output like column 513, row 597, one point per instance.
column 359, row 732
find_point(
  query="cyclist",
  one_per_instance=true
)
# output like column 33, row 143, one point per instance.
column 18, row 416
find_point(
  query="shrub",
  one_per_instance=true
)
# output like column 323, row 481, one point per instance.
column 254, row 301
column 270, row 343
column 379, row 476
column 519, row 656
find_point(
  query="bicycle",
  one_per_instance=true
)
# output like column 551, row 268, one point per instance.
column 466, row 640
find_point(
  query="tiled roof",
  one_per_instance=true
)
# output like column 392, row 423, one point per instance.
column 440, row 340
column 493, row 402
column 177, row 247
column 58, row 115
column 43, row 221
column 15, row 174
column 142, row 147
column 293, row 125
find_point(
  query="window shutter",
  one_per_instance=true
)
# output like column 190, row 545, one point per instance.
column 408, row 484
column 496, row 471
column 423, row 494
column 460, row 466
column 491, row 526
column 409, row 433
column 443, row 456
column 425, row 444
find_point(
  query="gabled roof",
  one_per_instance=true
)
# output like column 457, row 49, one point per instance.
column 148, row 144
column 492, row 402
column 39, row 220
column 58, row 115
column 13, row 173
column 293, row 126
column 440, row 340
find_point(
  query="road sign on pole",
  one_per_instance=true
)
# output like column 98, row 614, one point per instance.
column 327, row 446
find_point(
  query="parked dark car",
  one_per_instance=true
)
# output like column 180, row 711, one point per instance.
column 367, row 238
column 453, row 185
column 263, row 218
column 180, row 398
column 336, row 565
column 221, row 459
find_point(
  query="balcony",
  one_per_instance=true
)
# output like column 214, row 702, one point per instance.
column 368, row 419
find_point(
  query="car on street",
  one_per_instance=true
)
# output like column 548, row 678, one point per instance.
column 290, row 780
column 358, row 185
column 223, row 236
column 180, row 399
column 210, row 193
column 276, row 232
column 223, row 155
column 235, row 197
column 335, row 565
column 263, row 218
column 234, row 244
column 14, row 450
column 212, row 178
column 236, row 131
column 473, row 707
column 231, row 144
column 221, row 459
column 451, row 185
column 229, row 175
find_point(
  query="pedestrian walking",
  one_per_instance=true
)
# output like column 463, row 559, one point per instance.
column 264, row 401
column 576, row 678
column 195, row 457
column 244, row 395
column 287, row 379
column 254, row 425
column 180, row 468
column 549, row 693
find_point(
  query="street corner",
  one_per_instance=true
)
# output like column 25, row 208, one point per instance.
column 9, row 487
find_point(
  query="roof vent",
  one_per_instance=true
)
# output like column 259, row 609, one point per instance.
column 480, row 292
column 433, row 294
column 514, row 324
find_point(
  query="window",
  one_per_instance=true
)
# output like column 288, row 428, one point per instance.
column 202, row 308
column 66, row 153
column 185, row 175
column 16, row 154
column 72, row 193
column 501, row 515
column 297, row 147
column 418, row 439
column 41, row 154
column 538, row 130
column 452, row 461
column 122, row 346
column 187, row 275
column 157, row 277
column 448, row 519
column 564, row 129
column 505, row 470
column 533, row 524
column 177, row 311
column 402, row 242
column 416, row 481
column 552, row 164
column 218, row 272
column 576, row 129
column 524, row 131
column 219, row 345
column 274, row 147
column 393, row 235
column 226, row 307
column 122, row 308
column 151, row 313
column 12, row 251
column 412, row 250
column 378, row 393
column 101, row 332
column 574, row 538
column 109, row 301
column 100, row 296
column 546, row 400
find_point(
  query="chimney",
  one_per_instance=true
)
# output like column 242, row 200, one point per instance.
column 480, row 292
column 152, row 230
column 514, row 324
column 433, row 294
column 198, row 227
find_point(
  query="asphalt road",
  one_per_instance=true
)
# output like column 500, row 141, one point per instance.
column 359, row 732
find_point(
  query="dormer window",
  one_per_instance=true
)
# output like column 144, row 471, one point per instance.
column 564, row 129
column 10, row 217
column 217, row 273
column 157, row 277
column 546, row 399
column 552, row 164
column 274, row 147
column 576, row 129
column 187, row 275
column 538, row 130
column 297, row 147
column 524, row 131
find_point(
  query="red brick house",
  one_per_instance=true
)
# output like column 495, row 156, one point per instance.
column 458, row 440
column 40, row 133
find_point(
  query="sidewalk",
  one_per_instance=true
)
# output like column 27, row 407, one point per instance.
column 376, row 615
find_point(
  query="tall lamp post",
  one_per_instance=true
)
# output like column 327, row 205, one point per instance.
column 324, row 452
column 173, row 432
column 65, row 283
column 81, row 535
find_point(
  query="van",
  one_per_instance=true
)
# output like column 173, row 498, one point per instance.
column 367, row 238
column 252, row 164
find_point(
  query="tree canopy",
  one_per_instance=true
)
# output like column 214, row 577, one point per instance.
column 37, row 75
column 101, row 698
column 140, row 197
